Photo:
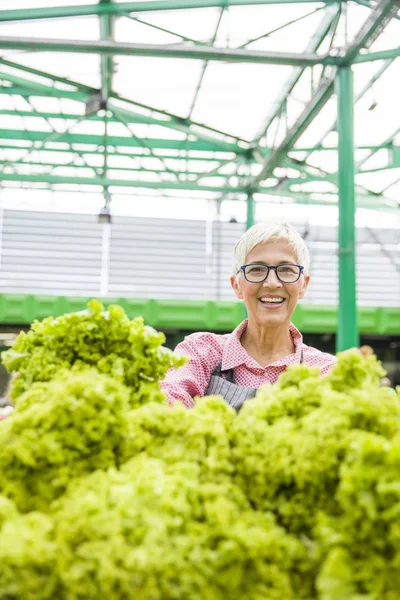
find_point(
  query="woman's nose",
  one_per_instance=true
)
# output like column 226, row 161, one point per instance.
column 272, row 280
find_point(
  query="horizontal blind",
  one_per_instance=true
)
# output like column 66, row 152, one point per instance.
column 62, row 254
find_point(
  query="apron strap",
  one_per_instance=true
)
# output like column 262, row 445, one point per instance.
column 219, row 373
column 228, row 374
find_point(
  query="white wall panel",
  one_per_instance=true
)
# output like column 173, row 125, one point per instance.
column 63, row 254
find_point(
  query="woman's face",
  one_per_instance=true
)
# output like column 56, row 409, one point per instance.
column 255, row 295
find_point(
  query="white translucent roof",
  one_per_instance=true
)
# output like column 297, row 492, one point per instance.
column 183, row 128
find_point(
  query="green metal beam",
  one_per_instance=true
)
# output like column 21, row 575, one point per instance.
column 67, row 116
column 97, row 168
column 347, row 331
column 368, row 4
column 381, row 15
column 168, row 119
column 359, row 96
column 137, row 118
column 96, row 182
column 35, row 87
column 54, row 136
column 106, row 62
column 82, row 138
column 185, row 125
column 164, row 51
column 204, row 68
column 315, row 42
column 106, row 70
column 163, row 29
column 280, row 27
column 373, row 26
column 56, row 12
column 319, row 100
column 109, row 182
column 93, row 150
column 250, row 211
column 75, row 153
column 143, row 143
column 381, row 55
column 177, row 124
column 54, row 78
column 387, row 143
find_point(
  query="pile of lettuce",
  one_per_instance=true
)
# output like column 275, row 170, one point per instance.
column 106, row 492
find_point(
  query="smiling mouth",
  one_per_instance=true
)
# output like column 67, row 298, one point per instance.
column 272, row 301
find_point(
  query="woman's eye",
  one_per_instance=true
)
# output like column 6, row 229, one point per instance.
column 257, row 270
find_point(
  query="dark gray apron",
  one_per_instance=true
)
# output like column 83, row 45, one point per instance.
column 234, row 394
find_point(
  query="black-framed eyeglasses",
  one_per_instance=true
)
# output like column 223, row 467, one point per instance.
column 258, row 272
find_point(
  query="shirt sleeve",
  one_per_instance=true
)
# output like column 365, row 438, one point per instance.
column 183, row 384
column 316, row 358
column 329, row 363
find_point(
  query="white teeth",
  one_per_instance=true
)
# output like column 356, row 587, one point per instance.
column 272, row 300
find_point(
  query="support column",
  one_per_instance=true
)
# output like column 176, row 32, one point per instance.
column 347, row 327
column 251, row 205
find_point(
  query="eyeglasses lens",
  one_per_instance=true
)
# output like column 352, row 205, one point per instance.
column 258, row 273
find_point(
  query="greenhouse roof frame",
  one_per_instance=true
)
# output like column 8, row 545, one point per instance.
column 197, row 155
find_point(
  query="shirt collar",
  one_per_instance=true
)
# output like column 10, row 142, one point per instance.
column 234, row 354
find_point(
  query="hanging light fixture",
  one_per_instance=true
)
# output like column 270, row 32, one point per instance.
column 104, row 216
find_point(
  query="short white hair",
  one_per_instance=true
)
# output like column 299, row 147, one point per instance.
column 270, row 232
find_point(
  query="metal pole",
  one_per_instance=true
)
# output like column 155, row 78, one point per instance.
column 250, row 211
column 110, row 47
column 347, row 328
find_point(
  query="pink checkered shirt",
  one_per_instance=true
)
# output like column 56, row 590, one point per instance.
column 207, row 350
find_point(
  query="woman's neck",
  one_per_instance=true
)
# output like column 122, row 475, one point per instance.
column 267, row 345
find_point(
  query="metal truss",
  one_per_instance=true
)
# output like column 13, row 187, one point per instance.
column 192, row 155
column 220, row 148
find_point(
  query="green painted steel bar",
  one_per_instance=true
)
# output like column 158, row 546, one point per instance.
column 116, row 169
column 46, row 90
column 370, row 5
column 149, row 121
column 93, row 150
column 387, row 142
column 321, row 97
column 238, row 193
column 18, row 309
column 315, row 42
column 204, row 68
column 280, row 27
column 25, row 68
column 54, row 12
column 182, row 122
column 165, row 119
column 83, row 138
column 106, row 62
column 108, row 182
column 144, row 144
column 380, row 16
column 375, row 23
column 381, row 55
column 225, row 145
column 164, row 51
column 347, row 330
column 106, row 70
column 359, row 96
column 75, row 153
column 163, row 29
column 250, row 211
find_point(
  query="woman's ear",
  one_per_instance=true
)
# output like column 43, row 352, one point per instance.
column 236, row 287
column 304, row 286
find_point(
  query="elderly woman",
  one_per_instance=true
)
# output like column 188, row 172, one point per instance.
column 270, row 274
